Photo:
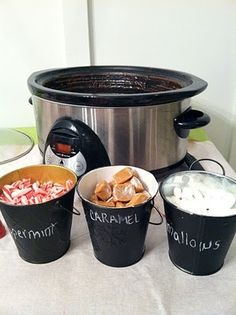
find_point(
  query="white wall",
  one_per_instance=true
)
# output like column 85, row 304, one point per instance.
column 36, row 35
column 193, row 36
column 31, row 38
column 76, row 32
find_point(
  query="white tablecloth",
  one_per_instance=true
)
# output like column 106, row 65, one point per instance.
column 78, row 283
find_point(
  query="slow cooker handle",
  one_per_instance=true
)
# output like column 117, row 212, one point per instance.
column 190, row 119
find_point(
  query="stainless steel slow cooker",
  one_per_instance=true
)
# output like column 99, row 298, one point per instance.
column 141, row 115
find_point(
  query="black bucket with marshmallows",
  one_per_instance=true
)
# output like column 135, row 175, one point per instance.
column 117, row 234
column 200, row 209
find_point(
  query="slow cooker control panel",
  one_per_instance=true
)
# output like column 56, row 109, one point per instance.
column 74, row 161
column 73, row 144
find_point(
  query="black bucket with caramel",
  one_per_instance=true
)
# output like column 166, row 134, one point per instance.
column 117, row 214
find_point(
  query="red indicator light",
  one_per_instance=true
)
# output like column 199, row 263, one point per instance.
column 63, row 148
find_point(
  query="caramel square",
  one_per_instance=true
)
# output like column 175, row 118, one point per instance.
column 123, row 175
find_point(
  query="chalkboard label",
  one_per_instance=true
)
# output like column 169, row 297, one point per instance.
column 113, row 218
column 34, row 234
column 183, row 238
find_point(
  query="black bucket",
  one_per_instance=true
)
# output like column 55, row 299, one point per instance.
column 41, row 231
column 117, row 234
column 198, row 244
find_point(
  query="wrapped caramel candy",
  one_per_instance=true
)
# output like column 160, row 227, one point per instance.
column 124, row 190
column 123, row 175
column 103, row 190
column 138, row 199
column 112, row 183
column 137, row 184
column 105, row 203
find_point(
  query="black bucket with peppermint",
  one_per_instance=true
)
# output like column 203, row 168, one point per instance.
column 117, row 233
column 200, row 209
column 37, row 205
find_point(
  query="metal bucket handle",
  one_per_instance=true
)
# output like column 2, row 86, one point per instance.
column 211, row 160
column 161, row 221
column 76, row 212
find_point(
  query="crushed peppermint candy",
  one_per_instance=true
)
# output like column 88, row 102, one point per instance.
column 24, row 192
